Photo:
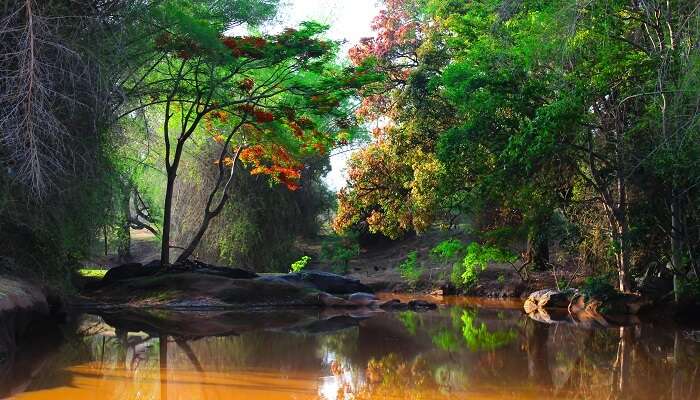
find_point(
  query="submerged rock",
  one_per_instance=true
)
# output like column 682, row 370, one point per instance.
column 419, row 305
column 571, row 306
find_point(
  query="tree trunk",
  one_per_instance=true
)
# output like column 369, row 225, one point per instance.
column 163, row 358
column 623, row 363
column 537, row 335
column 167, row 216
column 620, row 214
column 624, row 279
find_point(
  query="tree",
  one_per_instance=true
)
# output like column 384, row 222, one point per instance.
column 53, row 91
column 262, row 98
column 535, row 113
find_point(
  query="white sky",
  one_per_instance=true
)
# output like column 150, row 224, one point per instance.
column 349, row 21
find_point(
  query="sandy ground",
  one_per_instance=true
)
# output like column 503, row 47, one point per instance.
column 145, row 247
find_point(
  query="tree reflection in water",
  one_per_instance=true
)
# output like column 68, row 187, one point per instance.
column 455, row 352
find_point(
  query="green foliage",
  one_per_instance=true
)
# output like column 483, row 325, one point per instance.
column 300, row 264
column 339, row 250
column 410, row 321
column 410, row 269
column 92, row 272
column 477, row 258
column 466, row 332
column 446, row 340
column 260, row 225
column 447, row 249
column 515, row 112
column 479, row 337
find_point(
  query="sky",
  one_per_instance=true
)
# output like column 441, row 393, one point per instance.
column 349, row 22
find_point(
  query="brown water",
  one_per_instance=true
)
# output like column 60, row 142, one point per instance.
column 465, row 350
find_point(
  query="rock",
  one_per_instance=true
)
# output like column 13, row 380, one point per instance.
column 547, row 299
column 28, row 333
column 227, row 272
column 419, row 305
column 17, row 295
column 203, row 268
column 323, row 281
column 393, row 304
column 333, row 301
column 195, row 290
column 363, row 299
column 137, row 270
column 388, row 303
column 129, row 271
column 623, row 303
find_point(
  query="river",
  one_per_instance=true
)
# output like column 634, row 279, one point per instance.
column 467, row 349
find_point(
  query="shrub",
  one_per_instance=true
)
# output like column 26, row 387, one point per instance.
column 410, row 269
column 300, row 264
column 447, row 249
column 477, row 259
column 340, row 250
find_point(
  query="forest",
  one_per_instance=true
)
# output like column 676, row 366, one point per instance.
column 470, row 199
column 570, row 127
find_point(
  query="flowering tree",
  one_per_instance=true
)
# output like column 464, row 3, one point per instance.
column 268, row 100
column 393, row 51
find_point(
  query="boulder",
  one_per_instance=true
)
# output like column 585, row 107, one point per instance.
column 363, row 299
column 333, row 301
column 129, row 271
column 323, row 281
column 548, row 299
column 209, row 269
column 17, row 295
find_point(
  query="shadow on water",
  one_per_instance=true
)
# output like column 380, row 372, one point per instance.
column 27, row 341
column 461, row 350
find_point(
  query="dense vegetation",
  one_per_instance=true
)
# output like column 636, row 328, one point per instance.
column 568, row 126
column 154, row 115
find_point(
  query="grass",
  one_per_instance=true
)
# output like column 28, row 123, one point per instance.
column 92, row 272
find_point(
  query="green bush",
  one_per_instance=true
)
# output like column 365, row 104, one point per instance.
column 300, row 264
column 447, row 249
column 410, row 269
column 339, row 250
column 456, row 275
column 477, row 258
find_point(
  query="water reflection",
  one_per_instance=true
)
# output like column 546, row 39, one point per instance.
column 458, row 351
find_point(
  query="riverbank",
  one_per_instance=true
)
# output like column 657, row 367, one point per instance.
column 195, row 285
